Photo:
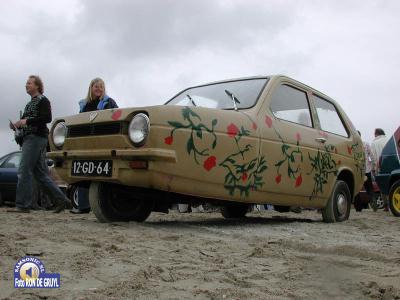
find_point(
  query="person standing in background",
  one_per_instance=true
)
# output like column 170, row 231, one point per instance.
column 96, row 99
column 377, row 146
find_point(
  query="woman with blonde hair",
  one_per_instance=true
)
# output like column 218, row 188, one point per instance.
column 96, row 99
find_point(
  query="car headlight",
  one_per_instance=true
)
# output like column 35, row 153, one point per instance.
column 59, row 134
column 139, row 129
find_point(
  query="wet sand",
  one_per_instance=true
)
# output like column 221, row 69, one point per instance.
column 268, row 255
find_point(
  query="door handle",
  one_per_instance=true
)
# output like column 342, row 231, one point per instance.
column 321, row 140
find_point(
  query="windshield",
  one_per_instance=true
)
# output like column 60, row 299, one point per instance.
column 244, row 93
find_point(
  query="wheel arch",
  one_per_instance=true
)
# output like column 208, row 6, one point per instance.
column 348, row 177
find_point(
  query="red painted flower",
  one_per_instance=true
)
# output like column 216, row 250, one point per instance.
column 210, row 163
column 299, row 181
column 278, row 179
column 268, row 121
column 116, row 114
column 255, row 126
column 298, row 137
column 169, row 140
column 349, row 150
column 244, row 177
column 232, row 130
column 323, row 134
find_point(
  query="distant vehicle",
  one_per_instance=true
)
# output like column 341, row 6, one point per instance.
column 363, row 201
column 9, row 165
column 232, row 143
column 388, row 177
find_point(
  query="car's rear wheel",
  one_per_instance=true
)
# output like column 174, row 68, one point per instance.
column 111, row 203
column 234, row 210
column 394, row 198
column 339, row 204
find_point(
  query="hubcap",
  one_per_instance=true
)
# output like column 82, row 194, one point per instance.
column 75, row 197
column 396, row 199
column 341, row 204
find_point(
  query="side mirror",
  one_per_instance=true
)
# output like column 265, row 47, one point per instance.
column 50, row 162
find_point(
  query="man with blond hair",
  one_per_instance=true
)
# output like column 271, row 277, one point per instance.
column 36, row 115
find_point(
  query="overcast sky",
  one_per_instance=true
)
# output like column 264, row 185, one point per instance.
column 146, row 51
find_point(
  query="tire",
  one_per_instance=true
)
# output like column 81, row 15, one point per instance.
column 282, row 209
column 357, row 203
column 339, row 204
column 394, row 198
column 234, row 211
column 73, row 196
column 112, row 203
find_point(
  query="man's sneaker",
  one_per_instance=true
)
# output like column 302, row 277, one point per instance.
column 19, row 210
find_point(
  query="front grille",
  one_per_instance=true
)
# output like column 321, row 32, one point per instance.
column 95, row 129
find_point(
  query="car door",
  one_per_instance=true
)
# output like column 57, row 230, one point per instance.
column 8, row 177
column 339, row 149
column 288, row 139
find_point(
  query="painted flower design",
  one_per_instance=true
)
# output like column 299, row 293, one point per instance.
column 169, row 140
column 349, row 150
column 210, row 163
column 278, row 179
column 232, row 130
column 268, row 121
column 244, row 177
column 299, row 181
column 116, row 115
column 255, row 126
column 298, row 137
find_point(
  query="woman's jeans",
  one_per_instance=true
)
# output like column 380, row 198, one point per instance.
column 33, row 165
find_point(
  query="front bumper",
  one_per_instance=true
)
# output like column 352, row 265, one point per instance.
column 122, row 172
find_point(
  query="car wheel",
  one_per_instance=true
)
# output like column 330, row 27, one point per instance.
column 110, row 203
column 237, row 210
column 281, row 208
column 73, row 196
column 394, row 198
column 378, row 201
column 357, row 203
column 339, row 203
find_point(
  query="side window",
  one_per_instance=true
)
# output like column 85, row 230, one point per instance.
column 291, row 104
column 2, row 160
column 329, row 118
column 13, row 161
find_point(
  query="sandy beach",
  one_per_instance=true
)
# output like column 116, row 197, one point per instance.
column 268, row 255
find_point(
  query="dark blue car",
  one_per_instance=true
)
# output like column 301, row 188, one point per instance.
column 9, row 165
column 8, row 176
column 388, row 177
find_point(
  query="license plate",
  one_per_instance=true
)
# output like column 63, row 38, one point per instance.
column 92, row 168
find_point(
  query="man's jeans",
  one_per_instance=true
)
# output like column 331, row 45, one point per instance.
column 33, row 165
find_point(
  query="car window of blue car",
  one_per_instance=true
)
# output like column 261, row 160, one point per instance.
column 13, row 161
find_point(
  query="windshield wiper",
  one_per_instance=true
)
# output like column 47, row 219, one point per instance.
column 191, row 100
column 234, row 99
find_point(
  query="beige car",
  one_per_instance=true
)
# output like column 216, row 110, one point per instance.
column 231, row 143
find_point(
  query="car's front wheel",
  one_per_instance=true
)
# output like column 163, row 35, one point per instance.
column 394, row 198
column 110, row 203
column 339, row 203
column 73, row 196
column 234, row 210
